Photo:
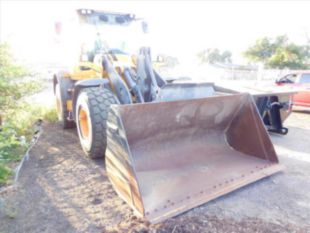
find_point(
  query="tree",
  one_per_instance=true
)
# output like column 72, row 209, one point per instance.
column 12, row 85
column 279, row 53
column 214, row 55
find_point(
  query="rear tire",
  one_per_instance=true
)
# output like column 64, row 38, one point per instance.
column 61, row 97
column 92, row 110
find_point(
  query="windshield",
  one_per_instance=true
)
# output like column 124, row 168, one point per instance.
column 112, row 37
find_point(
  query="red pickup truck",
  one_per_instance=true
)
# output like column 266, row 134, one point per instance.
column 298, row 80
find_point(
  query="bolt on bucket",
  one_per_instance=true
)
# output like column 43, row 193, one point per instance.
column 166, row 158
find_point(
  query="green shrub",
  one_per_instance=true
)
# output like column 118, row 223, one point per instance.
column 11, row 144
column 5, row 173
column 17, row 117
column 49, row 115
column 16, row 134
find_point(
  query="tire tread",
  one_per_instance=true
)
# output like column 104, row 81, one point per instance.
column 99, row 100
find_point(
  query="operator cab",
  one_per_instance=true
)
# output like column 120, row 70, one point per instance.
column 117, row 34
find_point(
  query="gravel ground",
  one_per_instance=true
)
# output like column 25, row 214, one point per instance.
column 61, row 190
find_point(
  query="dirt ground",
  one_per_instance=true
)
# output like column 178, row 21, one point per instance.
column 61, row 190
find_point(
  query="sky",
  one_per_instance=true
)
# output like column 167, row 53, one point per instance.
column 177, row 28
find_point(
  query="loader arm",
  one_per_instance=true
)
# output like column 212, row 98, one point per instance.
column 144, row 62
column 117, row 83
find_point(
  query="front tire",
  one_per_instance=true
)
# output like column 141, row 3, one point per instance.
column 92, row 110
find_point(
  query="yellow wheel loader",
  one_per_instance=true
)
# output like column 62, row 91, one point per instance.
column 168, row 147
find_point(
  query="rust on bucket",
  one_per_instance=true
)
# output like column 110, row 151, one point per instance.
column 166, row 158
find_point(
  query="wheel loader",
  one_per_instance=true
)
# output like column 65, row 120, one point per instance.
column 168, row 147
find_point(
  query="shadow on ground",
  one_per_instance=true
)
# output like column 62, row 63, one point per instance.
column 61, row 190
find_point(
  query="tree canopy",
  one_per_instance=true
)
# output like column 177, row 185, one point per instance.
column 214, row 55
column 279, row 53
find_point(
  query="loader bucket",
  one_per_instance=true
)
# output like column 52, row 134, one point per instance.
column 166, row 158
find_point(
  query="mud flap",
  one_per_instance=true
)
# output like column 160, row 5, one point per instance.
column 166, row 158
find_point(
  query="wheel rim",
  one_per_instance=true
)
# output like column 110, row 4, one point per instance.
column 84, row 124
column 58, row 103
